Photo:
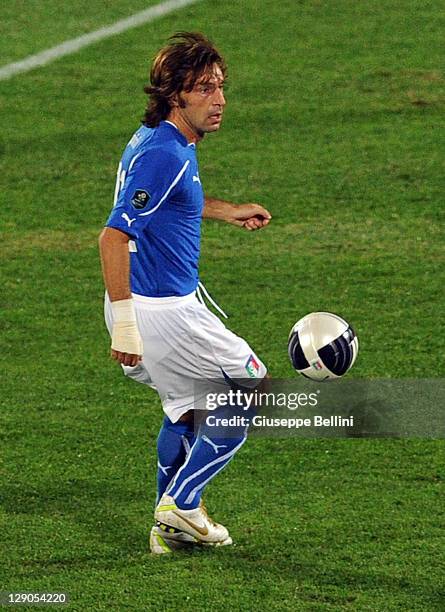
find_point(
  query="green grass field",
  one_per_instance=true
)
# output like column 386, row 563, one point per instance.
column 333, row 122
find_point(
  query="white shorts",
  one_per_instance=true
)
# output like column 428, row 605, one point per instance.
column 184, row 345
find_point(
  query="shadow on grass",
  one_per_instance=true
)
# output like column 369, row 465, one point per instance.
column 107, row 510
column 324, row 579
column 109, row 513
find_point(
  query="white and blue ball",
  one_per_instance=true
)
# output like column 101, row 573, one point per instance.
column 322, row 346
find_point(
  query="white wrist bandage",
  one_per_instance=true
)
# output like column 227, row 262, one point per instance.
column 125, row 336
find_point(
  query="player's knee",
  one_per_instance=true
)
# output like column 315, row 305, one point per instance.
column 187, row 417
column 226, row 422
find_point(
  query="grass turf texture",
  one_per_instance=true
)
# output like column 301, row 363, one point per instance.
column 331, row 122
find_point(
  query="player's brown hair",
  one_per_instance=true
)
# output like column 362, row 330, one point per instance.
column 176, row 68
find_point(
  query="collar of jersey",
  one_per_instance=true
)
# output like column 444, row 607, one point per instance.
column 178, row 132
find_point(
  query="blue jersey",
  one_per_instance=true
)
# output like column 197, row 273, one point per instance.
column 158, row 203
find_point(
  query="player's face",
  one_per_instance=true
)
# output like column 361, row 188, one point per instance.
column 201, row 109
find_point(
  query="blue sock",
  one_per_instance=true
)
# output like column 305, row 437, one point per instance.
column 174, row 442
column 210, row 453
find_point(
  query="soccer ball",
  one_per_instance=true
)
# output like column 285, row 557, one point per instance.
column 322, row 346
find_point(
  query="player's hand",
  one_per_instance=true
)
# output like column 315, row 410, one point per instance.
column 250, row 216
column 125, row 359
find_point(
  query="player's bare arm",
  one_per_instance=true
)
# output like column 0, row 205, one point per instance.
column 126, row 346
column 250, row 216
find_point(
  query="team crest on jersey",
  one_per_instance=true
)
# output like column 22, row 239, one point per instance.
column 140, row 198
column 252, row 367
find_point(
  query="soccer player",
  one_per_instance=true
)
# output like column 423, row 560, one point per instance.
column 162, row 334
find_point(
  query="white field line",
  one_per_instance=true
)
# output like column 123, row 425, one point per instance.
column 73, row 45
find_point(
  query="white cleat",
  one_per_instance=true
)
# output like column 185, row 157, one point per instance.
column 196, row 522
column 164, row 539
